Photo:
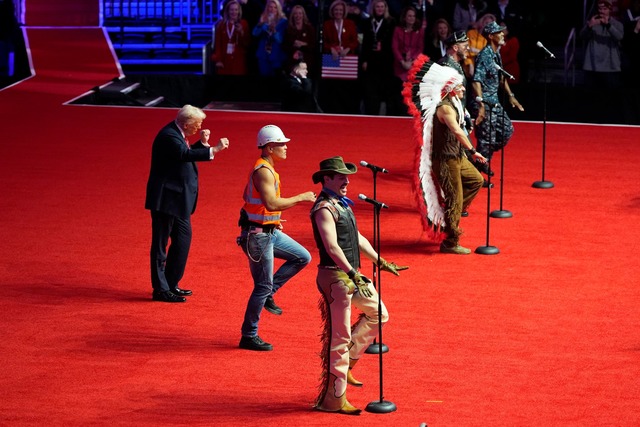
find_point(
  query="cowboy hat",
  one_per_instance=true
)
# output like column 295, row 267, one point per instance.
column 336, row 165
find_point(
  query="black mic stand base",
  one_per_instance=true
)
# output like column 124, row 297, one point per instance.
column 542, row 184
column 381, row 407
column 487, row 250
column 377, row 348
column 501, row 213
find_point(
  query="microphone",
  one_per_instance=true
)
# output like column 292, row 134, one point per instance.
column 503, row 71
column 372, row 201
column 541, row 46
column 373, row 167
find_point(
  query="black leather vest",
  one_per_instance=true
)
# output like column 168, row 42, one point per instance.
column 346, row 231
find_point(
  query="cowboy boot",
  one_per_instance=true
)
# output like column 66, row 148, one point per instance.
column 349, row 409
column 350, row 379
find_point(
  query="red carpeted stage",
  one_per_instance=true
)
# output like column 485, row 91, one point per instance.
column 547, row 332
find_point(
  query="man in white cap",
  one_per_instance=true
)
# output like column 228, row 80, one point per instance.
column 262, row 238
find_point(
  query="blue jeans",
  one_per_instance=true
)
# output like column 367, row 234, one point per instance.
column 261, row 249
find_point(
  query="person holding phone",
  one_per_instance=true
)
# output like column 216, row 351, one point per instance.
column 602, row 61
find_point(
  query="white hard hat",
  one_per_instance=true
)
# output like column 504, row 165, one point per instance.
column 271, row 133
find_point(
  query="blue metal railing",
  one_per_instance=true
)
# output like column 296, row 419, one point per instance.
column 160, row 32
column 178, row 14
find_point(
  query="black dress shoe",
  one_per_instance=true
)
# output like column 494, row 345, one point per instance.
column 181, row 292
column 271, row 307
column 487, row 184
column 167, row 296
column 464, row 214
column 255, row 344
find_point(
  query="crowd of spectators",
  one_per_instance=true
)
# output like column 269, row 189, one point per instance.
column 269, row 38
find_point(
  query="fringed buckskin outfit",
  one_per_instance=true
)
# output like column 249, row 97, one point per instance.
column 444, row 183
column 341, row 342
column 459, row 180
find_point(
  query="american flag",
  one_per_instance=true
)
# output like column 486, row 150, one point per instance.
column 345, row 68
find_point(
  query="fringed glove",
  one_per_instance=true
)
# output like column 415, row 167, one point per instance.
column 361, row 284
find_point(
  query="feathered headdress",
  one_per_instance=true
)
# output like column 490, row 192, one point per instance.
column 427, row 84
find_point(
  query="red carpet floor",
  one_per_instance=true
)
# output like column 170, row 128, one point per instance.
column 61, row 13
column 545, row 333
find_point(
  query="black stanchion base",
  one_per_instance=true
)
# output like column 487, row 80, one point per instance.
column 542, row 184
column 501, row 214
column 377, row 348
column 381, row 407
column 487, row 250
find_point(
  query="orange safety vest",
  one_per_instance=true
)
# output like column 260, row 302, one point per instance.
column 256, row 211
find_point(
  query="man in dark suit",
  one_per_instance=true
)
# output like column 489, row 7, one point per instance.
column 172, row 193
column 297, row 90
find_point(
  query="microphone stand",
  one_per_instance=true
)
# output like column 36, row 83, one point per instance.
column 488, row 249
column 502, row 213
column 381, row 406
column 542, row 183
column 379, row 347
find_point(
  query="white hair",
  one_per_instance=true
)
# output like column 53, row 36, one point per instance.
column 189, row 114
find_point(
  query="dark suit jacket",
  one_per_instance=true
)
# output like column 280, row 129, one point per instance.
column 172, row 187
column 297, row 95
